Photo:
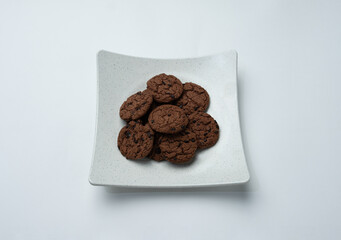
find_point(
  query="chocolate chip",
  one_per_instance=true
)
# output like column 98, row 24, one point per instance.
column 129, row 103
column 187, row 132
column 205, row 134
column 135, row 141
column 152, row 121
column 198, row 124
column 193, row 140
column 163, row 82
column 183, row 126
column 158, row 150
column 179, row 144
column 172, row 96
column 127, row 133
column 196, row 108
column 142, row 139
column 169, row 114
column 209, row 130
column 172, row 129
column 139, row 93
column 144, row 103
column 186, row 141
column 149, row 134
column 138, row 108
column 169, row 85
column 180, row 106
column 194, row 121
column 216, row 131
column 217, row 126
column 205, row 140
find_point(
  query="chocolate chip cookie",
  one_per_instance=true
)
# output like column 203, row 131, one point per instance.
column 165, row 88
column 144, row 118
column 136, row 106
column 178, row 148
column 205, row 128
column 156, row 153
column 194, row 98
column 168, row 119
column 135, row 140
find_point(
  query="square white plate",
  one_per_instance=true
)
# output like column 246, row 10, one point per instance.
column 119, row 76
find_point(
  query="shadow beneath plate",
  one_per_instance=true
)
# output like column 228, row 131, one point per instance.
column 242, row 188
column 236, row 194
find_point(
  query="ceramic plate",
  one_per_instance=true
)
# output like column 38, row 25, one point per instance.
column 120, row 76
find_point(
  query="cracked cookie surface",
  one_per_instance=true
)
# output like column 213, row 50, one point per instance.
column 135, row 140
column 165, row 88
column 136, row 106
column 178, row 148
column 194, row 98
column 168, row 119
column 205, row 128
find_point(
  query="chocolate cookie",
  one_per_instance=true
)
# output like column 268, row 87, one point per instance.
column 156, row 153
column 135, row 140
column 144, row 118
column 194, row 98
column 205, row 128
column 168, row 119
column 165, row 88
column 178, row 148
column 136, row 106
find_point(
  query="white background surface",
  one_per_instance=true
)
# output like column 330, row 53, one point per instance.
column 289, row 72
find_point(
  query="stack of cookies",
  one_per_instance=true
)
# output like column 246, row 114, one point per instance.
column 167, row 121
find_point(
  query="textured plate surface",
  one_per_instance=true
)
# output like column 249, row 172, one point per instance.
column 119, row 76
